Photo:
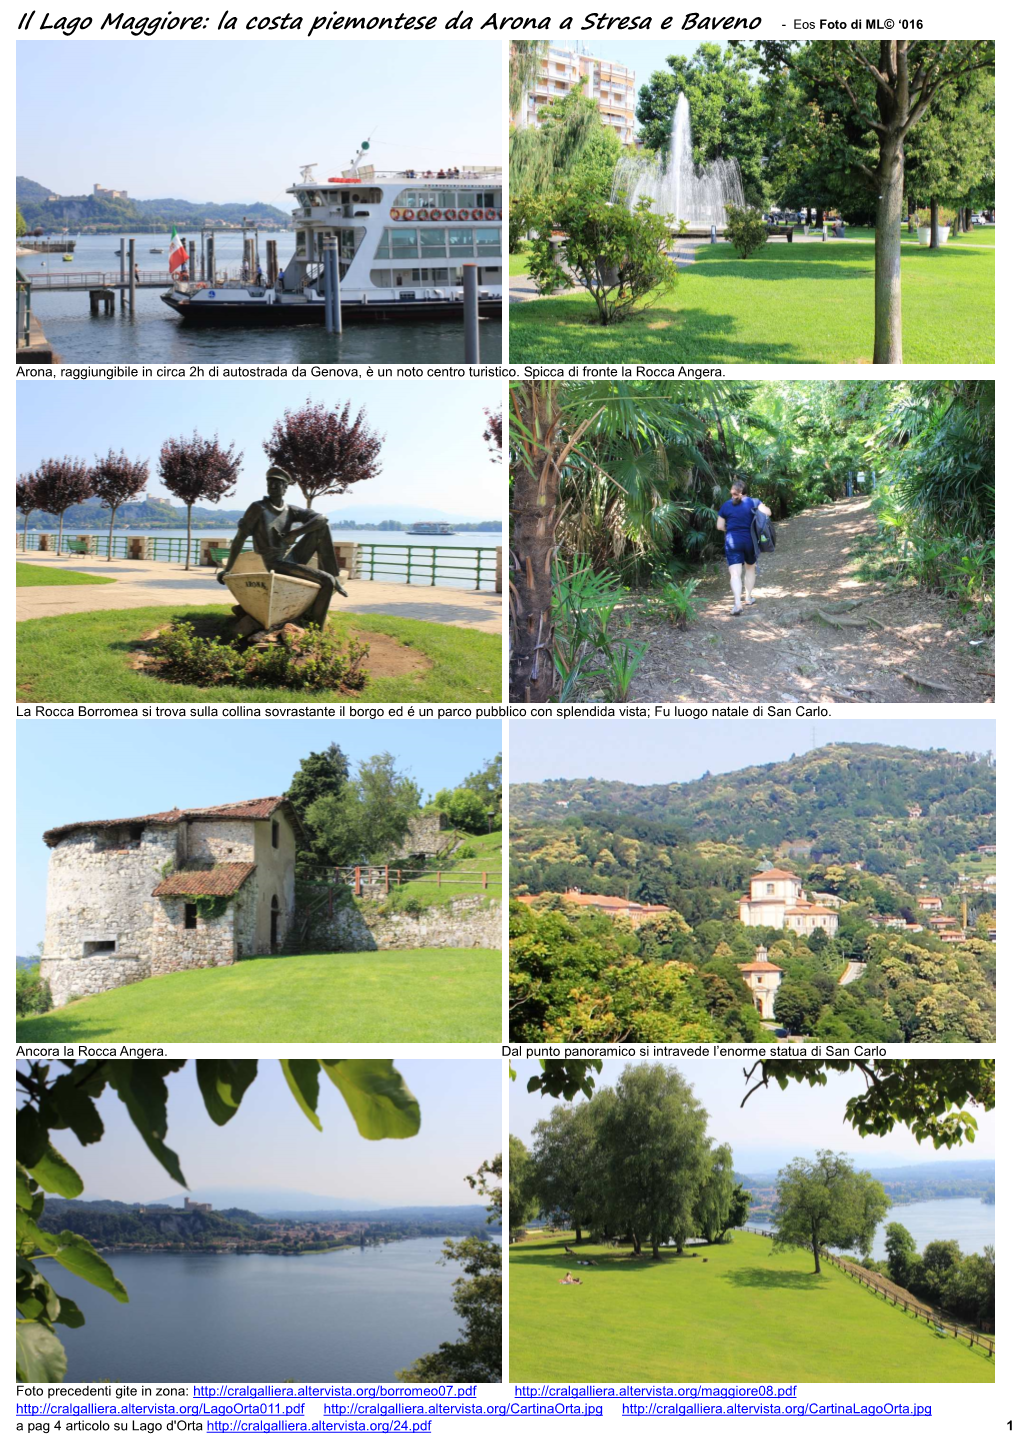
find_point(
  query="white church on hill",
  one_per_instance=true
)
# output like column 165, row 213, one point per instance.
column 777, row 899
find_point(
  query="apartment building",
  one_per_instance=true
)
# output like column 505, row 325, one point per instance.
column 610, row 84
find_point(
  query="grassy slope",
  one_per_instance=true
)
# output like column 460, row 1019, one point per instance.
column 807, row 303
column 488, row 858
column 745, row 1316
column 26, row 575
column 84, row 658
column 422, row 995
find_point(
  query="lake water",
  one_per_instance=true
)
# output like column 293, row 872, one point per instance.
column 156, row 334
column 966, row 1219
column 343, row 1317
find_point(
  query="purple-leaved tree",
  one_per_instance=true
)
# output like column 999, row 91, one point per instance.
column 195, row 469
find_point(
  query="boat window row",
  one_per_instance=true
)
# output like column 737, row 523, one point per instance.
column 402, row 242
column 432, row 197
column 433, row 275
column 370, row 196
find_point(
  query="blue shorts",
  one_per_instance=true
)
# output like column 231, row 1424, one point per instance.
column 739, row 549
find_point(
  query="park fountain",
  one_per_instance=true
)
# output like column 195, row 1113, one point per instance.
column 675, row 185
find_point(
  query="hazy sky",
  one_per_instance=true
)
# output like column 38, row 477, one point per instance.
column 231, row 120
column 270, row 1144
column 774, row 1125
column 83, row 770
column 678, row 751
column 433, row 454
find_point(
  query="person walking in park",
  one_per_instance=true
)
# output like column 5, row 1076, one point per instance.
column 736, row 517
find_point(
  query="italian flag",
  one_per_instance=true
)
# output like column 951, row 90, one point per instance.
column 178, row 252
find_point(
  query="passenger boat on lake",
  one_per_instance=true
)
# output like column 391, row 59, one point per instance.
column 403, row 239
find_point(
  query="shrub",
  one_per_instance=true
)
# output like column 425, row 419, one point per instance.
column 745, row 230
column 466, row 852
column 414, row 907
column 31, row 992
column 308, row 660
column 618, row 255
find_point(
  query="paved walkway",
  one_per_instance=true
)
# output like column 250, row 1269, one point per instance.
column 161, row 583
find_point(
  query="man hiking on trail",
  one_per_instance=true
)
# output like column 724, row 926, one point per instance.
column 736, row 517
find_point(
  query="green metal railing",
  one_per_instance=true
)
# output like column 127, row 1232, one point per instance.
column 427, row 565
column 23, row 307
column 152, row 548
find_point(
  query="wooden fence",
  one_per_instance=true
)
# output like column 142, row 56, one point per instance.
column 896, row 1296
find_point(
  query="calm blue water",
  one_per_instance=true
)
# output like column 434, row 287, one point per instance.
column 966, row 1219
column 156, row 334
column 350, row 1316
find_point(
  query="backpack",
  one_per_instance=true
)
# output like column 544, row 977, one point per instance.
column 761, row 531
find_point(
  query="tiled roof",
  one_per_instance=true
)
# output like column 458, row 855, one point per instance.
column 812, row 911
column 772, row 876
column 221, row 880
column 758, row 967
column 258, row 810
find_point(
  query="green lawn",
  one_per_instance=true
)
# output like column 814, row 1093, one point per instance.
column 488, row 858
column 747, row 1315
column 26, row 575
column 84, row 657
column 422, row 995
column 789, row 303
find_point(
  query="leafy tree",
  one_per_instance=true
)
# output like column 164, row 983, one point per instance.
column 566, row 1165
column 936, row 1271
column 715, row 1203
column 901, row 1254
column 954, row 150
column 19, row 224
column 58, row 484
column 797, row 1006
column 115, row 479
column 488, row 783
column 521, row 1197
column 367, row 819
column 493, row 435
column 196, row 469
column 525, row 66
column 321, row 774
column 827, row 1204
column 970, row 1293
column 890, row 85
column 570, row 139
column 477, row 1355
column 323, row 449
column 657, row 1155
column 745, row 230
column 374, row 1091
column 26, row 501
column 465, row 809
column 740, row 1208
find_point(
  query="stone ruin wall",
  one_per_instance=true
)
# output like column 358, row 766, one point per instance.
column 211, row 841
column 464, row 922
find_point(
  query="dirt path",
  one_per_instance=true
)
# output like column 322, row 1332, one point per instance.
column 905, row 645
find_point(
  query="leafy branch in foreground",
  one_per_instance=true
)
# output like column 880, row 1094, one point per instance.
column 375, row 1093
column 927, row 1097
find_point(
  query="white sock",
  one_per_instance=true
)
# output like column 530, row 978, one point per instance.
column 735, row 585
column 749, row 579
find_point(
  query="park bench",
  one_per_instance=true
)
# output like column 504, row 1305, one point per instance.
column 77, row 548
column 218, row 554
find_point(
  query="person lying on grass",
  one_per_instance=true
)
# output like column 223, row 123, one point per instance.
column 735, row 518
column 568, row 1281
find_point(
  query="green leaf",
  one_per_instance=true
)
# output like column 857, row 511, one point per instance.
column 223, row 1085
column 303, row 1080
column 378, row 1097
column 54, row 1173
column 70, row 1315
column 143, row 1092
column 76, row 1109
column 40, row 1355
column 22, row 1190
column 74, row 1253
column 32, row 1136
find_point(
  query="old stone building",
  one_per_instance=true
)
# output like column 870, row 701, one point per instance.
column 776, row 899
column 140, row 896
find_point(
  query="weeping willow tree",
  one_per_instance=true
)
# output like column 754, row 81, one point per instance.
column 571, row 131
column 526, row 58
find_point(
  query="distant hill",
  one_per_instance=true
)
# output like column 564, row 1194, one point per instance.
column 830, row 796
column 270, row 1200
column 155, row 515
column 95, row 212
column 404, row 514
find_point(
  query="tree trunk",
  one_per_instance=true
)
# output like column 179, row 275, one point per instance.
column 637, row 1244
column 816, row 1250
column 933, row 234
column 536, row 479
column 968, row 218
column 60, row 534
column 24, row 539
column 187, row 551
column 109, row 539
column 655, row 1249
column 888, row 349
column 577, row 1234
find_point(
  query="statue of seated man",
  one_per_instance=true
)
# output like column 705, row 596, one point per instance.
column 287, row 537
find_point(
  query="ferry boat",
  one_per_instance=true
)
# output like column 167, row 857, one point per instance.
column 429, row 528
column 403, row 238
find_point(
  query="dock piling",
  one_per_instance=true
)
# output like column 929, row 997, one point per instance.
column 471, row 314
column 191, row 260
column 331, row 268
column 132, row 271
column 271, row 263
column 210, row 268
